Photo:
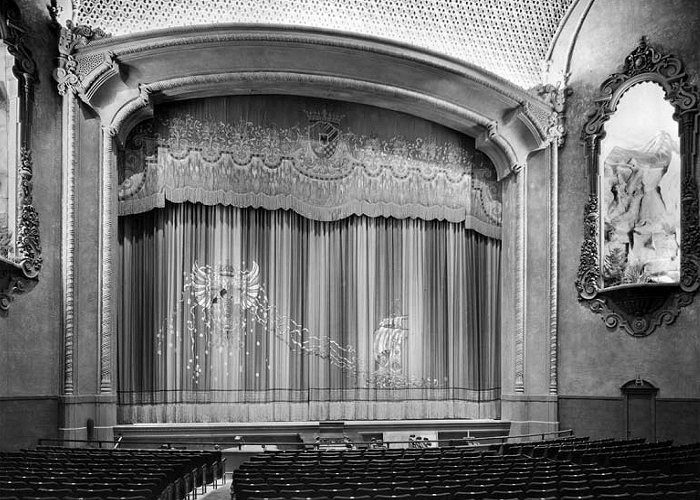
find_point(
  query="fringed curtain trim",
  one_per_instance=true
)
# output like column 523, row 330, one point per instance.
column 306, row 411
column 320, row 171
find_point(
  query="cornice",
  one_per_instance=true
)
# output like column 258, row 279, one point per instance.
column 101, row 71
column 138, row 44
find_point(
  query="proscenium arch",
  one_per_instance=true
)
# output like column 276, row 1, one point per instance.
column 122, row 78
column 188, row 63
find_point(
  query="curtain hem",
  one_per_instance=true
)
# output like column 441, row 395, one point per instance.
column 307, row 411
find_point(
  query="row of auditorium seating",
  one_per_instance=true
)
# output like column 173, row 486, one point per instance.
column 448, row 473
column 635, row 453
column 100, row 474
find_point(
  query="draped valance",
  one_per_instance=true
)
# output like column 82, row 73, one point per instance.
column 319, row 166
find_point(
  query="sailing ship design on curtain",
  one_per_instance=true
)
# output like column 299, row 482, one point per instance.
column 219, row 301
column 388, row 341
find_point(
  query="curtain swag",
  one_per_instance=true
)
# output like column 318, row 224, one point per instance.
column 318, row 170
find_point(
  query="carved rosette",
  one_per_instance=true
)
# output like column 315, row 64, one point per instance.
column 640, row 309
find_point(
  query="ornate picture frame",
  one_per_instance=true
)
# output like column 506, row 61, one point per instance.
column 639, row 308
column 20, row 248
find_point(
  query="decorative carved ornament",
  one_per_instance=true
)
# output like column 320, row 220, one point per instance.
column 554, row 94
column 20, row 267
column 70, row 72
column 639, row 309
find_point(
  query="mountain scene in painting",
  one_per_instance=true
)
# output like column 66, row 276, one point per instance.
column 641, row 213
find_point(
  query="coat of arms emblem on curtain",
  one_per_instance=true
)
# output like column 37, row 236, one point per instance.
column 324, row 132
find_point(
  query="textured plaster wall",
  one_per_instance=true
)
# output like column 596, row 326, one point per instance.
column 595, row 361
column 30, row 349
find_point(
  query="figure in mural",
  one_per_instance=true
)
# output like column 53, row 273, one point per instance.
column 641, row 219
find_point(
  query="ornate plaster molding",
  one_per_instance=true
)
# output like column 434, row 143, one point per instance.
column 554, row 95
column 588, row 277
column 641, row 313
column 640, row 309
column 107, row 240
column 69, row 71
column 135, row 45
column 70, row 135
column 96, row 66
column 28, row 242
column 19, row 269
column 553, row 269
column 520, row 285
column 11, row 285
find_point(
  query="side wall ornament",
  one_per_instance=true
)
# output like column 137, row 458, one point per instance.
column 555, row 95
column 20, row 247
column 638, row 307
column 69, row 72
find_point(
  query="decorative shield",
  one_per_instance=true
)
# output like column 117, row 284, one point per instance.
column 323, row 135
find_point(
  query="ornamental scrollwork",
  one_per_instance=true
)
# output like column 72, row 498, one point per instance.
column 20, row 247
column 639, row 307
column 641, row 313
column 588, row 279
column 69, row 71
column 690, row 229
column 28, row 241
column 555, row 96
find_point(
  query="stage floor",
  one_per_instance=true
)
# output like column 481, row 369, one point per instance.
column 291, row 434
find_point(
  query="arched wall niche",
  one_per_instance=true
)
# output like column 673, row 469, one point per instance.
column 638, row 305
column 123, row 78
column 20, row 248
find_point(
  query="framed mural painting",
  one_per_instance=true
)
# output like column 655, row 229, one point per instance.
column 640, row 255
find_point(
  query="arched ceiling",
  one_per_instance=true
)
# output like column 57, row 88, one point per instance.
column 507, row 37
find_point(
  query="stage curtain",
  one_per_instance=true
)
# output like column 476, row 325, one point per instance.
column 248, row 314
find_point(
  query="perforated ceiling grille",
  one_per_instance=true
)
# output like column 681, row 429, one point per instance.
column 508, row 37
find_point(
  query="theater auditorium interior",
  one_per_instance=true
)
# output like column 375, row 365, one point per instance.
column 349, row 249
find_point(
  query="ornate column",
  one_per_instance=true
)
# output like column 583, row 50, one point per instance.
column 520, row 276
column 107, row 244
column 69, row 160
column 553, row 266
column 555, row 95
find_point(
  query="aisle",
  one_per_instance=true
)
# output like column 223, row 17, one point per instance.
column 223, row 492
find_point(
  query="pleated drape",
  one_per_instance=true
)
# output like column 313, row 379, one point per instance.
column 306, row 347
